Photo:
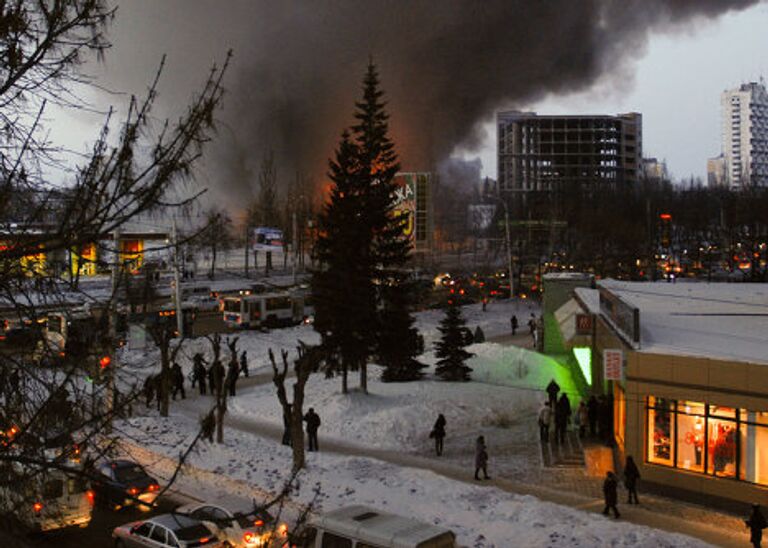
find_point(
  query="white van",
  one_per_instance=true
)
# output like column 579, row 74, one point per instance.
column 364, row 527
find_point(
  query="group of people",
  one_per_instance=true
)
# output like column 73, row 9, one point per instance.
column 611, row 487
column 532, row 327
column 595, row 413
column 207, row 379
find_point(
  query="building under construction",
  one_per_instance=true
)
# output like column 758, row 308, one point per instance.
column 544, row 153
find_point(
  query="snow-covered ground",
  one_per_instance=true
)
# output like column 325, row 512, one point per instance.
column 481, row 516
column 499, row 403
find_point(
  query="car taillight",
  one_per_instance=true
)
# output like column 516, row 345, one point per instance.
column 91, row 496
column 153, row 487
column 133, row 491
column 37, row 507
column 259, row 523
column 250, row 538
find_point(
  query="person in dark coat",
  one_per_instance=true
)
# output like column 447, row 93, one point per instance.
column 149, row 389
column 313, row 424
column 177, row 376
column 631, row 475
column 592, row 415
column 562, row 416
column 481, row 458
column 159, row 389
column 212, row 378
column 513, row 323
column 552, row 390
column 438, row 432
column 233, row 372
column 287, row 439
column 244, row 363
column 198, row 372
column 756, row 523
column 610, row 486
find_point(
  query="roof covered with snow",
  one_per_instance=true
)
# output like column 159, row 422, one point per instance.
column 589, row 297
column 715, row 320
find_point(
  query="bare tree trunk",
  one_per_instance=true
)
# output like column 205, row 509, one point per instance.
column 165, row 374
column 364, row 377
column 344, row 385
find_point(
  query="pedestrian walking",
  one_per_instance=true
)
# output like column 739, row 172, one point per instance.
column 149, row 390
column 159, row 390
column 287, row 411
column 198, row 372
column 610, row 494
column 244, row 363
column 532, row 324
column 313, row 424
column 582, row 418
column 212, row 378
column 177, row 376
column 513, row 323
column 552, row 390
column 481, row 458
column 545, row 419
column 631, row 475
column 438, row 433
column 756, row 523
column 562, row 416
column 233, row 372
column 592, row 415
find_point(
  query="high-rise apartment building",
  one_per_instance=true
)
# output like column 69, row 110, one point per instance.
column 745, row 135
column 541, row 153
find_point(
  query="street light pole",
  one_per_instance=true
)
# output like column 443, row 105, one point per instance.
column 508, row 238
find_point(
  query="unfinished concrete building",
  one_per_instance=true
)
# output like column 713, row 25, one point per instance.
column 541, row 153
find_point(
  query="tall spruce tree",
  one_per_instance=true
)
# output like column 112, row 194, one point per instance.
column 449, row 350
column 361, row 247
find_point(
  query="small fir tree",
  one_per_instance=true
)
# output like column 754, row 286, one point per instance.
column 399, row 342
column 449, row 350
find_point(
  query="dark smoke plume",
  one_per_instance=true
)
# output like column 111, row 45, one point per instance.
column 446, row 65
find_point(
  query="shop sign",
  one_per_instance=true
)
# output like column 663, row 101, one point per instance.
column 583, row 324
column 613, row 364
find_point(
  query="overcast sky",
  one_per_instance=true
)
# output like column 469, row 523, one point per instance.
column 676, row 85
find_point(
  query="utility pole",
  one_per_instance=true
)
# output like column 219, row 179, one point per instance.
column 177, row 282
column 508, row 239
column 109, row 361
column 247, row 241
column 294, row 244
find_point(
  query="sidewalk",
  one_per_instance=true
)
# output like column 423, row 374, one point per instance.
column 570, row 487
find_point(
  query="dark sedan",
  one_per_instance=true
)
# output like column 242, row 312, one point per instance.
column 121, row 483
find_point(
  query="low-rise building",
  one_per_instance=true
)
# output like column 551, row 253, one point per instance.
column 687, row 367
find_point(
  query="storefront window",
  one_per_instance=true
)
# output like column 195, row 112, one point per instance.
column 660, row 430
column 754, row 447
column 722, row 448
column 690, row 436
column 721, row 441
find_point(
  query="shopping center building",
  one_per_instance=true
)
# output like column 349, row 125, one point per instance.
column 687, row 366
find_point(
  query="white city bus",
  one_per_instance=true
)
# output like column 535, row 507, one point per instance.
column 248, row 311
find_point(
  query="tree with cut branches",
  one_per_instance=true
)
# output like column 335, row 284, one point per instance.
column 309, row 359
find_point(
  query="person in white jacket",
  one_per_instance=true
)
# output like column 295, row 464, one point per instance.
column 545, row 419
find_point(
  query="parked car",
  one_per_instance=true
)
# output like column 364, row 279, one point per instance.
column 121, row 483
column 166, row 530
column 249, row 529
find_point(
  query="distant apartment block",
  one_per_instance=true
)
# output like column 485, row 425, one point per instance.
column 541, row 152
column 745, row 135
column 653, row 169
column 716, row 172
